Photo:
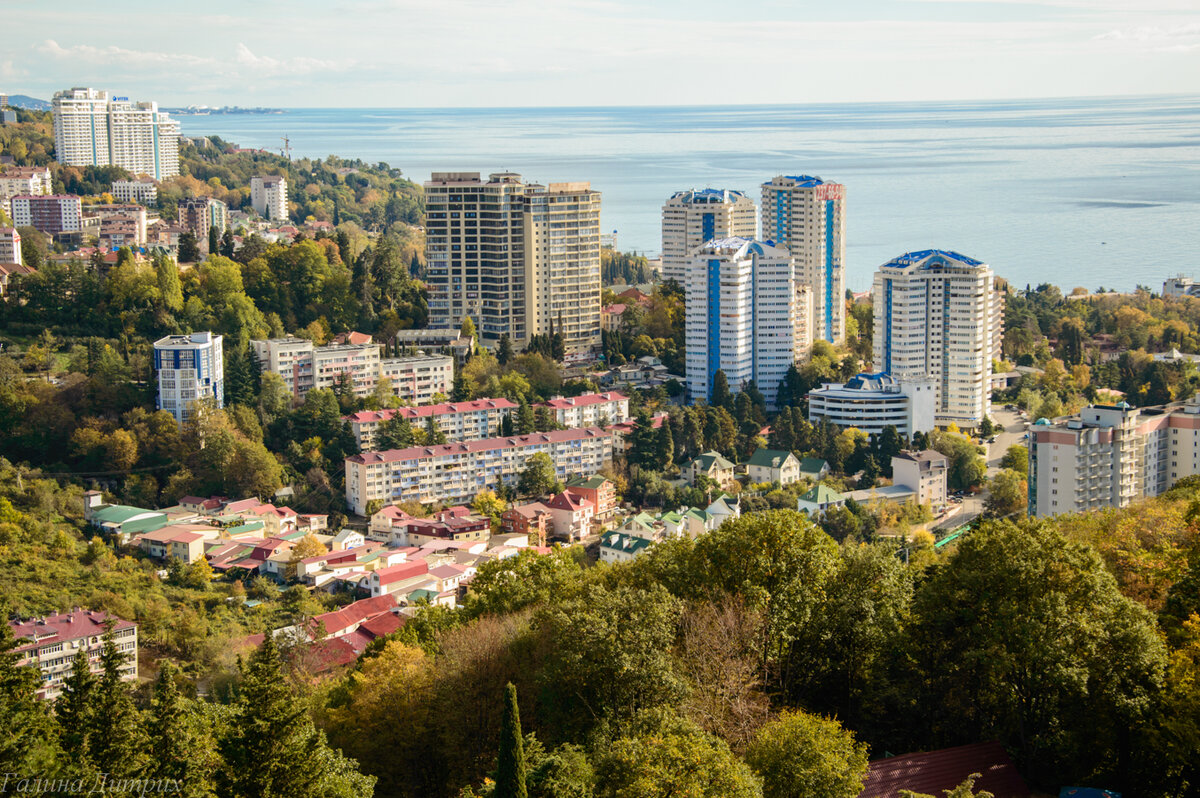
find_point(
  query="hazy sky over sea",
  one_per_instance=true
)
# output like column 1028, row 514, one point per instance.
column 454, row 53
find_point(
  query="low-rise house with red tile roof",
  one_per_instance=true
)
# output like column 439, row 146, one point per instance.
column 458, row 421
column 534, row 519
column 572, row 516
column 346, row 620
column 610, row 316
column 938, row 772
column 402, row 578
column 51, row 644
column 601, row 492
column 179, row 541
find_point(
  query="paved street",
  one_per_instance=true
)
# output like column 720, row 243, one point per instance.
column 1013, row 426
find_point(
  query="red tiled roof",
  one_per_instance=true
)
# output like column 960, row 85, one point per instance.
column 530, row 510
column 585, row 400
column 368, row 416
column 568, row 501
column 383, row 624
column 334, row 622
column 934, row 771
column 488, row 444
column 63, row 627
column 329, row 654
column 402, row 571
column 617, row 308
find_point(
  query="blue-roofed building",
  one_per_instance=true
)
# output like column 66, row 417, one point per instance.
column 806, row 215
column 693, row 217
column 938, row 316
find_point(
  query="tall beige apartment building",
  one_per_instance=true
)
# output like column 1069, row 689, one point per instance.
column 807, row 216
column 936, row 316
column 93, row 129
column 690, row 219
column 518, row 258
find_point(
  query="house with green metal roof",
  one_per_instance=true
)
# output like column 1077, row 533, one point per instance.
column 642, row 525
column 814, row 468
column 688, row 522
column 712, row 465
column 619, row 547
column 773, row 465
column 819, row 500
column 120, row 520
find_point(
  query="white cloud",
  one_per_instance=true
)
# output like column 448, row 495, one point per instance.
column 266, row 65
column 108, row 55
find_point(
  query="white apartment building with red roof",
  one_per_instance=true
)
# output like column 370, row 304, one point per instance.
column 51, row 644
column 458, row 421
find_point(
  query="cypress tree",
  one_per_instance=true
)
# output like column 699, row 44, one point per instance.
column 510, row 766
column 74, row 708
column 214, row 240
column 504, row 350
column 433, row 433
column 117, row 739
column 721, row 395
column 526, row 422
column 180, row 752
column 664, row 446
column 227, row 243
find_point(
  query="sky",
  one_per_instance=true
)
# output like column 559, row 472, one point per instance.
column 468, row 53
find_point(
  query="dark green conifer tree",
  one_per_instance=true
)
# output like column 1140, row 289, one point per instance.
column 117, row 744
column 510, row 765
column 214, row 240
column 74, row 709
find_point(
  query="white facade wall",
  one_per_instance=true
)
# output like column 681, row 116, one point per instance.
column 93, row 129
column 935, row 317
column 143, row 191
column 10, row 245
column 807, row 216
column 456, row 472
column 189, row 367
column 872, row 402
column 268, row 196
column 1109, row 456
column 690, row 219
column 739, row 297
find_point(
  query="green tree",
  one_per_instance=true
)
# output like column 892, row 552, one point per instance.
column 987, row 427
column 1007, row 494
column 214, row 240
column 526, row 420
column 663, row 756
column 271, row 748
column 538, row 477
column 168, row 283
column 721, row 396
column 394, row 433
column 1016, row 458
column 664, row 449
column 798, row 755
column 75, row 708
column 117, row 739
column 468, row 329
column 189, row 249
column 29, row 744
column 1023, row 636
column 504, row 350
column 179, row 738
column 433, row 432
column 964, row 790
column 609, row 656
column 510, row 764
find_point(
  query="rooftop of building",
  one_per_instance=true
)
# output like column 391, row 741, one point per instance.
column 563, row 403
column 64, row 626
column 708, row 196
column 193, row 339
column 769, row 458
column 368, row 416
column 738, row 247
column 932, row 259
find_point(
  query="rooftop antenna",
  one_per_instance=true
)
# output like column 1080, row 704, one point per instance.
column 286, row 149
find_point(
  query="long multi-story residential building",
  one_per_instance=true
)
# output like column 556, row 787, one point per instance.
column 190, row 367
column 1111, row 455
column 442, row 342
column 51, row 213
column 740, row 301
column 268, row 196
column 93, row 129
column 304, row 366
column 10, row 245
column 873, row 402
column 140, row 189
column 589, row 410
column 51, row 645
column 456, row 472
column 807, row 216
column 198, row 214
column 100, row 216
column 458, row 421
column 692, row 218
column 518, row 258
column 24, row 180
column 936, row 317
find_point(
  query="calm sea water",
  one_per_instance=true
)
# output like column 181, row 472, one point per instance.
column 1092, row 192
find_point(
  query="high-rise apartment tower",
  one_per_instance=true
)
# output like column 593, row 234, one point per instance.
column 690, row 219
column 807, row 216
column 93, row 129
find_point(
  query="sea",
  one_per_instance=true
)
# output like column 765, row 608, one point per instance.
column 1091, row 192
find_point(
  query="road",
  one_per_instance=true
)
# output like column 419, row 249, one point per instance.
column 1012, row 431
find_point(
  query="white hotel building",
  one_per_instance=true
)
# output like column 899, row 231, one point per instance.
column 936, row 316
column 268, row 196
column 589, row 410
column 690, row 219
column 189, row 367
column 872, row 402
column 93, row 129
column 740, row 298
column 1111, row 455
column 456, row 472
